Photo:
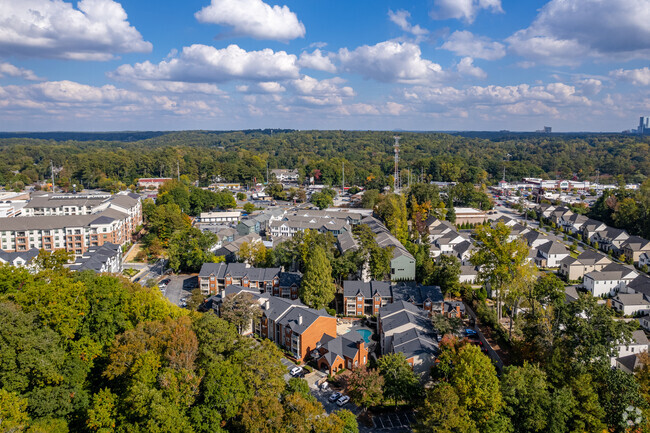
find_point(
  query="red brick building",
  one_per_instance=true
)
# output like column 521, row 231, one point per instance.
column 342, row 352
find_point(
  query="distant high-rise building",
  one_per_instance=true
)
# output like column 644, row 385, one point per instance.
column 547, row 129
column 644, row 125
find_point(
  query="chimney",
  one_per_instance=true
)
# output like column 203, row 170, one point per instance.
column 300, row 320
column 267, row 304
column 223, row 294
column 360, row 344
column 458, row 310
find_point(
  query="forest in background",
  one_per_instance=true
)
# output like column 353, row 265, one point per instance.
column 242, row 156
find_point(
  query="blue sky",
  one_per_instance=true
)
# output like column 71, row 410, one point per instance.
column 575, row 65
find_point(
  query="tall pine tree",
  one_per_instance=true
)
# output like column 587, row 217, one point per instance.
column 317, row 289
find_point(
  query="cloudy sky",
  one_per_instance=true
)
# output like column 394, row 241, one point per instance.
column 575, row 65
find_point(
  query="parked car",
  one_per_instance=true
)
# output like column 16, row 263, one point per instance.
column 325, row 386
column 334, row 397
column 295, row 371
column 343, row 400
column 470, row 332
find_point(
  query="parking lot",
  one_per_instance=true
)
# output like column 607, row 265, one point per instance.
column 179, row 287
column 391, row 422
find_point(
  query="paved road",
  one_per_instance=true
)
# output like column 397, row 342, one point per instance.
column 179, row 287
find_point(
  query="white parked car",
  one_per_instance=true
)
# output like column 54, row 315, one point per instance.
column 343, row 400
column 325, row 386
column 334, row 397
column 295, row 371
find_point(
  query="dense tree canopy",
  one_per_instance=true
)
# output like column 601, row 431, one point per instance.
column 100, row 354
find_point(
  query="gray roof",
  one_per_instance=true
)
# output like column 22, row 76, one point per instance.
column 403, row 318
column 468, row 270
column 631, row 299
column 591, row 257
column 571, row 294
column 288, row 279
column 629, row 362
column 27, row 256
column 639, row 337
column 637, row 243
column 413, row 342
column 611, row 272
column 592, row 224
column 613, row 233
column 553, row 247
column 398, row 306
column 308, row 315
column 49, row 200
column 125, row 200
column 533, row 235
column 463, row 247
column 59, row 221
column 367, row 290
column 96, row 257
column 238, row 270
column 342, row 346
column 347, row 242
column 640, row 284
column 416, row 294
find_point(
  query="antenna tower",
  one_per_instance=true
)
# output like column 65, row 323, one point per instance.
column 396, row 185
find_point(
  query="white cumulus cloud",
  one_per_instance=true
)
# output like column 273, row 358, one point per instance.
column 401, row 18
column 95, row 30
column 316, row 60
column 253, row 18
column 638, row 77
column 206, row 64
column 391, row 61
column 517, row 99
column 567, row 32
column 322, row 92
column 465, row 10
column 466, row 67
column 465, row 43
column 9, row 70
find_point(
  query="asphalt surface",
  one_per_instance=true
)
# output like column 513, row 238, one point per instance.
column 180, row 287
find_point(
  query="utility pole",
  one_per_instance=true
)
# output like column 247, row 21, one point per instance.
column 267, row 172
column 504, row 166
column 52, row 171
column 343, row 170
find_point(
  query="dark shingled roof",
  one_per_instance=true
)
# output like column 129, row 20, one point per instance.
column 342, row 346
column 367, row 290
column 413, row 342
column 27, row 256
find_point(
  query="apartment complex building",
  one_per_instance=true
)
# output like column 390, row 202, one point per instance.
column 72, row 222
column 289, row 324
column 215, row 277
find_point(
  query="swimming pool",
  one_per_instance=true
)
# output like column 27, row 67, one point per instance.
column 366, row 334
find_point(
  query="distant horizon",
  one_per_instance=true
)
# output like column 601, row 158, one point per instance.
column 422, row 131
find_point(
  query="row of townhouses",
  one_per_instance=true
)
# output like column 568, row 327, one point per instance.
column 634, row 248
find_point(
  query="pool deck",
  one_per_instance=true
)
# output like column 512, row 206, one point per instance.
column 346, row 328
